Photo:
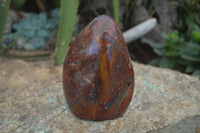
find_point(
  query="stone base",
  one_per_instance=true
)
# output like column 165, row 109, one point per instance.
column 32, row 100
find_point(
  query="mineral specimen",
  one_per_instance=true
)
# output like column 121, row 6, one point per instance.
column 98, row 77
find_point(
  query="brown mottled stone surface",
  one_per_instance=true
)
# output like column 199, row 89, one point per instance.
column 32, row 100
column 98, row 78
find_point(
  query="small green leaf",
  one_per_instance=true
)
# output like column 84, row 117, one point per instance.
column 196, row 74
column 194, row 46
column 167, row 62
column 165, row 36
column 184, row 62
column 27, row 27
column 48, row 26
column 190, row 57
column 173, row 50
column 43, row 33
column 160, row 51
column 189, row 69
column 43, row 17
column 30, row 33
column 196, row 35
column 154, row 62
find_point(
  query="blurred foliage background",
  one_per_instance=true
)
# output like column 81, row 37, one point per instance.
column 181, row 49
column 174, row 43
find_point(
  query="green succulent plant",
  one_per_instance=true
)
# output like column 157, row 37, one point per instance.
column 33, row 31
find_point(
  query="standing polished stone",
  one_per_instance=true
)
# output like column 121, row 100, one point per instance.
column 98, row 77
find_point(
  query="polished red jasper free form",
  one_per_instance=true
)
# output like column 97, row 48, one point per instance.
column 98, row 77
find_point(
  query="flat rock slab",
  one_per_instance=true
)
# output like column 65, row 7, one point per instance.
column 32, row 100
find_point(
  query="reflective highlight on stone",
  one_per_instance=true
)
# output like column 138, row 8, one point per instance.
column 98, row 78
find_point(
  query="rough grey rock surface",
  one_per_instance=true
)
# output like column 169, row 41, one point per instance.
column 32, row 100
